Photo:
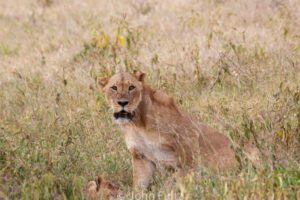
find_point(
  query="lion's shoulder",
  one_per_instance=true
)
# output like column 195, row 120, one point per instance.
column 163, row 98
column 160, row 97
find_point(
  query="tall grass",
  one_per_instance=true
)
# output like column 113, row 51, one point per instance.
column 234, row 64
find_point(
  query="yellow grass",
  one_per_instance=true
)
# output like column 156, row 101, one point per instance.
column 234, row 64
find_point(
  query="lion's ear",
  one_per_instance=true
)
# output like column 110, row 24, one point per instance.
column 139, row 75
column 102, row 81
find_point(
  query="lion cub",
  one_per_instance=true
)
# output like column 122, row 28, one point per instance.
column 157, row 133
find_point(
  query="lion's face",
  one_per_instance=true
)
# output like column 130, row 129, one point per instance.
column 123, row 92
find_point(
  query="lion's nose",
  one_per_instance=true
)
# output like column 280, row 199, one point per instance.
column 123, row 103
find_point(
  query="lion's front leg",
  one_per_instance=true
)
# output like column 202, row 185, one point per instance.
column 142, row 170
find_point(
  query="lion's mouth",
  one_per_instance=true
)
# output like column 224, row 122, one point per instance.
column 123, row 115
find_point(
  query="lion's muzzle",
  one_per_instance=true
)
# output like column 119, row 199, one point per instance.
column 123, row 115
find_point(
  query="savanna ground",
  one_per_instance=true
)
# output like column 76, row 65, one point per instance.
column 234, row 64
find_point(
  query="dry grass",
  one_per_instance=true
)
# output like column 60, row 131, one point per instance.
column 235, row 64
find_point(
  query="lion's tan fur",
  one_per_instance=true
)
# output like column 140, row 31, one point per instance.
column 101, row 189
column 160, row 134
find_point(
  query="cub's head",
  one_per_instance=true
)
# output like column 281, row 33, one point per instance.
column 123, row 92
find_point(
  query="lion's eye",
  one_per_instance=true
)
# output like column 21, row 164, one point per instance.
column 114, row 88
column 131, row 88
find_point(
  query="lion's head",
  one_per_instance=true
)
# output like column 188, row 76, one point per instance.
column 123, row 92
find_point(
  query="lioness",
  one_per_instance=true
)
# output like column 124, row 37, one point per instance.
column 157, row 133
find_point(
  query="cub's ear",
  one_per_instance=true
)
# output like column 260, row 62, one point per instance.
column 139, row 75
column 102, row 81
